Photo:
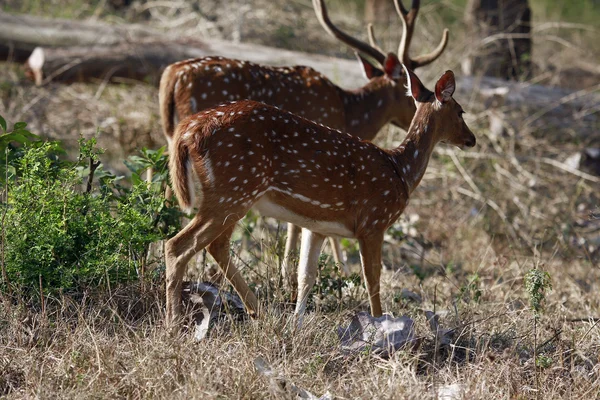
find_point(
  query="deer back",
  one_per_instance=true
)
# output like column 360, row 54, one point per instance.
column 202, row 83
column 245, row 150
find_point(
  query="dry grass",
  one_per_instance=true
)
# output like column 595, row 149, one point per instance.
column 485, row 219
column 116, row 347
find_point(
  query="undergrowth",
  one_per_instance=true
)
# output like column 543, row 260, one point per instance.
column 68, row 226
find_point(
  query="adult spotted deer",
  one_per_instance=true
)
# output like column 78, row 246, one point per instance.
column 194, row 85
column 243, row 155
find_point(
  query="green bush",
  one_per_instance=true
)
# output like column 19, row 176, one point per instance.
column 66, row 234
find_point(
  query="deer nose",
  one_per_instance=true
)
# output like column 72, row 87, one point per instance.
column 471, row 141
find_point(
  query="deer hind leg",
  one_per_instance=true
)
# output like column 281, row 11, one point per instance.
column 338, row 256
column 310, row 248
column 370, row 257
column 219, row 249
column 179, row 250
column 288, row 272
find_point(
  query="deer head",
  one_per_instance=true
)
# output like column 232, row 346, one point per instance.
column 442, row 113
column 384, row 72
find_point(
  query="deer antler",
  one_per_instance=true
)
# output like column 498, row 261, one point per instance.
column 372, row 40
column 425, row 59
column 359, row 45
column 408, row 18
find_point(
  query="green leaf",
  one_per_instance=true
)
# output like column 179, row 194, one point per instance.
column 12, row 137
column 161, row 151
column 19, row 135
column 3, row 123
column 135, row 179
column 25, row 132
column 138, row 159
column 20, row 125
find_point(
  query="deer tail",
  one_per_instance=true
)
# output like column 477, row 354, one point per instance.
column 166, row 101
column 181, row 169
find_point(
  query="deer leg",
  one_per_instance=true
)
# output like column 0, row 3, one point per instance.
column 370, row 257
column 179, row 250
column 219, row 249
column 287, row 269
column 310, row 248
column 338, row 255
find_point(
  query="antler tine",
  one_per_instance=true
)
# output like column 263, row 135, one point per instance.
column 408, row 18
column 425, row 59
column 403, row 12
column 359, row 45
column 372, row 40
column 400, row 7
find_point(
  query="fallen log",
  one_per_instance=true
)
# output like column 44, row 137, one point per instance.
column 9, row 53
column 124, row 61
column 26, row 32
column 521, row 106
column 145, row 61
column 84, row 51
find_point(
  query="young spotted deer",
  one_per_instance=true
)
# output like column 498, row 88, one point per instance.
column 243, row 155
column 190, row 86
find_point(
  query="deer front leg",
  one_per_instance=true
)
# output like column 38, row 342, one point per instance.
column 370, row 257
column 288, row 272
column 310, row 248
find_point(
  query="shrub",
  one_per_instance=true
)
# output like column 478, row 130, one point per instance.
column 66, row 234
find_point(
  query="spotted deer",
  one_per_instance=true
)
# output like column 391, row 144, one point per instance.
column 190, row 86
column 247, row 155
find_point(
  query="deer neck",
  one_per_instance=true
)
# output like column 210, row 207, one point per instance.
column 412, row 156
column 367, row 109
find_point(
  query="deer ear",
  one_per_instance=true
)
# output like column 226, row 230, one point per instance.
column 419, row 92
column 392, row 66
column 444, row 88
column 369, row 70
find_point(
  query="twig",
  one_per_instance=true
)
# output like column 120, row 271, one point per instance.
column 463, row 172
column 566, row 99
column 589, row 330
column 549, row 25
column 167, row 4
column 105, row 81
column 93, row 166
column 479, row 196
column 569, row 169
column 177, row 23
column 588, row 319
column 556, row 335
column 546, row 160
column 62, row 69
column 513, row 180
column 493, row 205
